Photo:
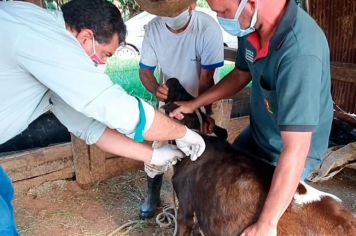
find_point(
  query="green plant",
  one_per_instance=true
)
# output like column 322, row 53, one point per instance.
column 125, row 72
column 128, row 8
column 202, row 3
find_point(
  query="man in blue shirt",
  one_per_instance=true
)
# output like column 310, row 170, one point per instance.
column 48, row 63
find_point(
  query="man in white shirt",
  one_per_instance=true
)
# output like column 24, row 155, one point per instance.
column 189, row 47
column 46, row 64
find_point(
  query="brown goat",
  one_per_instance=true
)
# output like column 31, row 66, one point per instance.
column 226, row 190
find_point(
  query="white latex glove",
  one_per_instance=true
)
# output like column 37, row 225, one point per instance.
column 152, row 170
column 192, row 144
column 165, row 155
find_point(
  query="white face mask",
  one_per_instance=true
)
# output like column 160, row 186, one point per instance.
column 177, row 22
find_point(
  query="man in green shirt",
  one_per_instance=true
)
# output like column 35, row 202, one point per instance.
column 286, row 55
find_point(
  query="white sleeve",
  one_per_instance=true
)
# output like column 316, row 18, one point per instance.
column 57, row 60
column 148, row 55
column 212, row 47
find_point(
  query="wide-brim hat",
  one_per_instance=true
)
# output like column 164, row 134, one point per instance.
column 164, row 7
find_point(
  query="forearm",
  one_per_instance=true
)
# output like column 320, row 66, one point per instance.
column 116, row 143
column 148, row 80
column 206, row 81
column 164, row 128
column 284, row 183
column 286, row 177
column 231, row 84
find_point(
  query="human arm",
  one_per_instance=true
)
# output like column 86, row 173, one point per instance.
column 231, row 84
column 149, row 81
column 148, row 64
column 113, row 142
column 284, row 182
column 188, row 141
column 206, row 81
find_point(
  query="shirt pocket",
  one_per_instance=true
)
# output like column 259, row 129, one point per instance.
column 269, row 97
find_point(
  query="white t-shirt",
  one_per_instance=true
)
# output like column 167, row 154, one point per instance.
column 38, row 54
column 182, row 55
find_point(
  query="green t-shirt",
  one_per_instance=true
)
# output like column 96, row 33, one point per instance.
column 291, row 84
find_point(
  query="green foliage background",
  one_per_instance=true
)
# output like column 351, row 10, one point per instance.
column 125, row 72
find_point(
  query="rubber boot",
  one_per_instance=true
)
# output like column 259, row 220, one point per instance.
column 148, row 208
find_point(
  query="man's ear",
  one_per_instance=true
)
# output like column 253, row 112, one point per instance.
column 85, row 37
column 192, row 6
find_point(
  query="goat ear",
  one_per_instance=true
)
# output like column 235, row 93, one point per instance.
column 168, row 107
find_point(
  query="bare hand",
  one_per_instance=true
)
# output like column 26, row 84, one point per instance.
column 162, row 92
column 208, row 125
column 260, row 229
column 184, row 107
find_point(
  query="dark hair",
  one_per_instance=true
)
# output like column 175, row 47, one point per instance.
column 100, row 16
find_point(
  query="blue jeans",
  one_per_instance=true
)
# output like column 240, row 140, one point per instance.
column 7, row 217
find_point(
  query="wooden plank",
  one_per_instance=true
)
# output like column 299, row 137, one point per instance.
column 345, row 72
column 236, row 126
column 119, row 165
column 222, row 112
column 230, row 54
column 81, row 160
column 39, row 3
column 25, row 185
column 346, row 117
column 339, row 71
column 37, row 162
column 97, row 163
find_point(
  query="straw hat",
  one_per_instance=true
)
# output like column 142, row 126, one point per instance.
column 164, row 7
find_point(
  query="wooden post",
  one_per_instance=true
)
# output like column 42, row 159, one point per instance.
column 92, row 164
column 222, row 112
column 81, row 159
column 97, row 163
column 230, row 54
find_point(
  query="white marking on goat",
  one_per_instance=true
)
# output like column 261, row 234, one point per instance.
column 311, row 195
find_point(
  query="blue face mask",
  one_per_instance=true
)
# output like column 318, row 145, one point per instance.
column 232, row 26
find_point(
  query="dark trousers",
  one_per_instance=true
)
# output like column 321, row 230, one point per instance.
column 246, row 144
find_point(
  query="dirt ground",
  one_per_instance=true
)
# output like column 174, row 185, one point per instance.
column 62, row 208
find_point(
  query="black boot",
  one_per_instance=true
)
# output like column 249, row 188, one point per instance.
column 148, row 208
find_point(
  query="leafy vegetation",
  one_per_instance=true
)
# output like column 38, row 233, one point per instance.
column 125, row 72
column 202, row 3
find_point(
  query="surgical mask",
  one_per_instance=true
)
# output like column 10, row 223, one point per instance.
column 94, row 57
column 233, row 27
column 177, row 22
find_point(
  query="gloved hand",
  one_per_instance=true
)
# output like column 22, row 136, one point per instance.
column 192, row 144
column 152, row 170
column 166, row 154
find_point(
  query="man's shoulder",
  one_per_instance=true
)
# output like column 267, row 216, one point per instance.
column 204, row 24
column 204, row 19
column 204, row 16
column 155, row 23
column 307, row 33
